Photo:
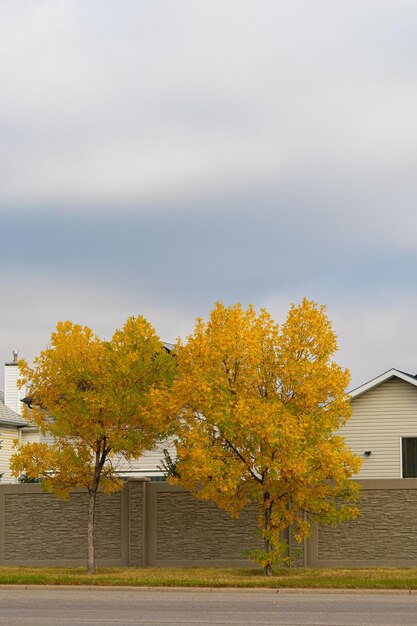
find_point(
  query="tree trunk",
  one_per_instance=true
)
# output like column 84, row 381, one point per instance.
column 101, row 455
column 268, row 550
column 91, row 558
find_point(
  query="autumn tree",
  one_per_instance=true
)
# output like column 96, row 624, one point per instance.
column 260, row 405
column 93, row 400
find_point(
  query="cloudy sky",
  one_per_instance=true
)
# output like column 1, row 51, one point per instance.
column 159, row 155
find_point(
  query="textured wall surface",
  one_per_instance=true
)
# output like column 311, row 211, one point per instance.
column 386, row 529
column 296, row 550
column 136, row 523
column 188, row 528
column 154, row 523
column 39, row 526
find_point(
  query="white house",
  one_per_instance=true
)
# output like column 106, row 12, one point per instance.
column 383, row 426
column 10, row 428
column 13, row 427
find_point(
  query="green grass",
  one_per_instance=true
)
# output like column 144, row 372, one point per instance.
column 337, row 578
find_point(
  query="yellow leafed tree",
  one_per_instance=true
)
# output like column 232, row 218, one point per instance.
column 259, row 405
column 95, row 399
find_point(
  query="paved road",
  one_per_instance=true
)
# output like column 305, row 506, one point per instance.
column 86, row 607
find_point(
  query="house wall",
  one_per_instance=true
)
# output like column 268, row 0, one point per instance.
column 29, row 435
column 380, row 417
column 148, row 464
column 8, row 434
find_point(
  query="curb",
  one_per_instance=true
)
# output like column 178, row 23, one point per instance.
column 281, row 590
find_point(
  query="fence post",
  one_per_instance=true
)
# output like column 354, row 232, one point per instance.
column 137, row 532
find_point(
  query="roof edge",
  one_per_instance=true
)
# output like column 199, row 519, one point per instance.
column 382, row 378
column 16, row 423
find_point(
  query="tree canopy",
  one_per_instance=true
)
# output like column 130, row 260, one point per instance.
column 259, row 406
column 94, row 401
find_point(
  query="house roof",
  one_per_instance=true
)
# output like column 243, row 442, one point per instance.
column 382, row 378
column 7, row 416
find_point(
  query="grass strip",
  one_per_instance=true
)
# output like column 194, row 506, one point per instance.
column 326, row 578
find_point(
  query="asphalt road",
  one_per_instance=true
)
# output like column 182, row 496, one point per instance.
column 82, row 607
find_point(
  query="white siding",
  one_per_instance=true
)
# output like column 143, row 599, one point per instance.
column 148, row 464
column 12, row 394
column 380, row 417
column 29, row 436
column 46, row 438
column 7, row 436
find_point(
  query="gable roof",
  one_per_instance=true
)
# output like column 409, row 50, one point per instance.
column 382, row 378
column 7, row 416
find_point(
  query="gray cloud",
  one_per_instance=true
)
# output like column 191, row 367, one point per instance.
column 156, row 156
column 159, row 100
column 214, row 252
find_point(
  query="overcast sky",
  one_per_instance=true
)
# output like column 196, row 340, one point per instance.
column 159, row 155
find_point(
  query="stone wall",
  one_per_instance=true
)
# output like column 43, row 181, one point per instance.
column 384, row 534
column 183, row 530
column 137, row 512
column 40, row 529
column 158, row 524
column 296, row 549
column 144, row 524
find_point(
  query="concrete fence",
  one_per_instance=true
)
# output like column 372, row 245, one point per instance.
column 152, row 523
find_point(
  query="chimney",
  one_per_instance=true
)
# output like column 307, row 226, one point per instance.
column 12, row 394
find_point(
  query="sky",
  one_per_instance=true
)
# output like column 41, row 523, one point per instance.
column 159, row 155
